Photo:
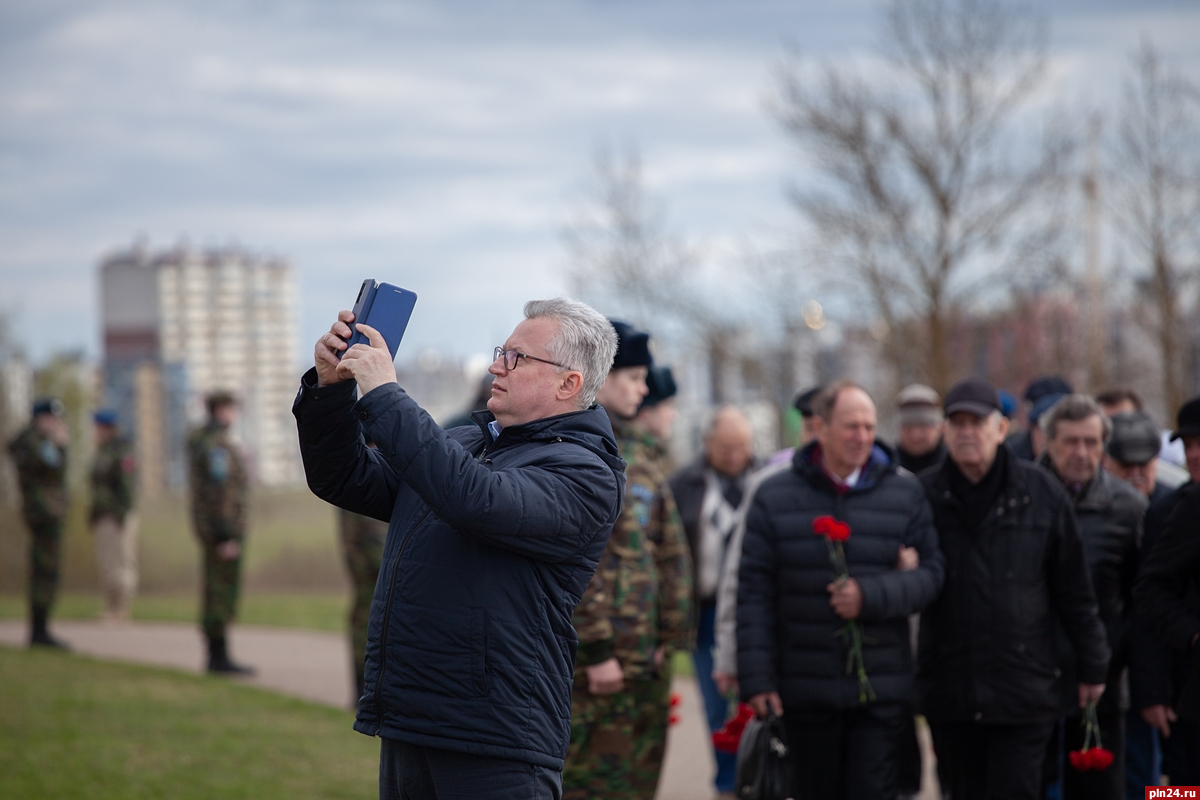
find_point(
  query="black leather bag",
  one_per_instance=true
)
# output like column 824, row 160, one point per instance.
column 762, row 761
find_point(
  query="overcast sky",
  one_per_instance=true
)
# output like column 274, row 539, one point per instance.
column 440, row 146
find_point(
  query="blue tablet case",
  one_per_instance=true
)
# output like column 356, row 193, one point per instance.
column 384, row 307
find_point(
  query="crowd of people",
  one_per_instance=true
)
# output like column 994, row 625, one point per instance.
column 1022, row 574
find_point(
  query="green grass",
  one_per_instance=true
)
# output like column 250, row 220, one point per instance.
column 72, row 727
column 325, row 611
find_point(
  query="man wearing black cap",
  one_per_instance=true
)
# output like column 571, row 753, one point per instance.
column 1015, row 569
column 1110, row 515
column 40, row 455
column 112, row 517
column 657, row 414
column 1024, row 443
column 1167, row 594
column 635, row 612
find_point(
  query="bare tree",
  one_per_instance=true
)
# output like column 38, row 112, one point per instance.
column 1158, row 208
column 624, row 256
column 927, row 189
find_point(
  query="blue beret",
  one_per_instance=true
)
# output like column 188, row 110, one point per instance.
column 48, row 405
column 106, row 416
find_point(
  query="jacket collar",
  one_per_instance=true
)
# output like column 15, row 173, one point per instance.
column 1097, row 493
column 1015, row 485
column 588, row 428
column 807, row 462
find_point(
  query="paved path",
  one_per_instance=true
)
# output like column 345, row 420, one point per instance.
column 315, row 666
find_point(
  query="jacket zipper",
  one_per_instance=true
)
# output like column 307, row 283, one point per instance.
column 387, row 611
column 387, row 618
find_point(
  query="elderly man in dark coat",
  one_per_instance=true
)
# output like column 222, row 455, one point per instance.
column 495, row 531
column 988, row 676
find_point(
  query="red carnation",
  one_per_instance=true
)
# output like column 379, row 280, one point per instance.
column 675, row 700
column 673, row 719
column 823, row 526
column 1080, row 760
column 726, row 739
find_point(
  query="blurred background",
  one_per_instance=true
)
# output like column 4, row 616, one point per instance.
column 781, row 192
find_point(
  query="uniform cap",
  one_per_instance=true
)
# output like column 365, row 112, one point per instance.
column 804, row 400
column 1135, row 438
column 661, row 384
column 106, row 416
column 1187, row 422
column 48, row 405
column 974, row 396
column 633, row 346
column 219, row 398
column 1047, row 384
column 1044, row 404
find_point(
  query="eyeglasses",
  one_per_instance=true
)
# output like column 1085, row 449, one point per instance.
column 511, row 356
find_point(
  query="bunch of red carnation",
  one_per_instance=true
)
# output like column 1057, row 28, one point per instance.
column 1091, row 757
column 1096, row 758
column 832, row 528
column 835, row 533
column 726, row 739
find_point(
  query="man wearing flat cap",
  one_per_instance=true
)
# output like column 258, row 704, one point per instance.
column 40, row 455
column 112, row 517
column 635, row 612
column 919, row 408
column 987, row 675
column 1167, row 594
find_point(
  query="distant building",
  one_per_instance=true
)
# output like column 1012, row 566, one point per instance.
column 183, row 322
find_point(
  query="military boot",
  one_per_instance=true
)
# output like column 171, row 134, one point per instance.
column 218, row 659
column 39, row 635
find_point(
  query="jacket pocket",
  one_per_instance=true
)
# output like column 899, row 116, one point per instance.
column 439, row 650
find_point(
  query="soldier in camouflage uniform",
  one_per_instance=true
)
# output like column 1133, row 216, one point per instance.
column 218, row 483
column 635, row 612
column 362, row 545
column 40, row 455
column 113, row 520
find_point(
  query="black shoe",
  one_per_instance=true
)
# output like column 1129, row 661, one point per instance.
column 219, row 662
column 43, row 639
column 227, row 667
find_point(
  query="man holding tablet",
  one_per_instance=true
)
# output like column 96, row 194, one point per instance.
column 495, row 530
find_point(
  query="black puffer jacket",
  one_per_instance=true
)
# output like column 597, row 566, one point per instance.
column 988, row 648
column 1110, row 514
column 490, row 546
column 787, row 632
column 1167, row 593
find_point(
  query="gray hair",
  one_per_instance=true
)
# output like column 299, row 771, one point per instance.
column 586, row 341
column 1074, row 408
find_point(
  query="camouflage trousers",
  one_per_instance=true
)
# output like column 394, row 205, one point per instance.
column 45, row 552
column 222, row 584
column 362, row 545
column 617, row 741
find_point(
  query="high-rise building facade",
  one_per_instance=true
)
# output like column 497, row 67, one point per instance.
column 184, row 322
